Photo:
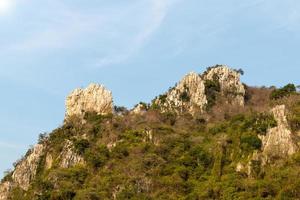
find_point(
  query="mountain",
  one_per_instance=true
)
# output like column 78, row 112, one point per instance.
column 208, row 137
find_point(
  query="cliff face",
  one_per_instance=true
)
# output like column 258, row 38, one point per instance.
column 26, row 170
column 95, row 98
column 69, row 157
column 229, row 80
column 190, row 93
column 5, row 189
column 279, row 141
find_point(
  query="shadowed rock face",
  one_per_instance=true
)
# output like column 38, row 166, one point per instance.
column 229, row 80
column 95, row 98
column 279, row 141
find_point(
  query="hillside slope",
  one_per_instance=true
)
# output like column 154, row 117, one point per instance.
column 208, row 137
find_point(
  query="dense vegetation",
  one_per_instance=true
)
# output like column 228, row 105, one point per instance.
column 287, row 90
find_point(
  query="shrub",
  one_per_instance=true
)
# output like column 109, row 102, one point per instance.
column 212, row 88
column 283, row 92
column 294, row 118
column 81, row 145
column 184, row 96
column 250, row 141
column 98, row 156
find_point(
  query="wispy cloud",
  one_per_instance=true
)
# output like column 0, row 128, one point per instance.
column 158, row 11
column 70, row 28
column 61, row 32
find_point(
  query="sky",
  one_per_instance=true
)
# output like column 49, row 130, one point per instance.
column 136, row 48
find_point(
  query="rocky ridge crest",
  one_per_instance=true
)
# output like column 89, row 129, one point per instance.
column 190, row 94
column 94, row 98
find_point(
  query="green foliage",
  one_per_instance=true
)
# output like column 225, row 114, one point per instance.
column 212, row 88
column 283, row 92
column 162, row 98
column 97, row 156
column 81, row 145
column 294, row 117
column 256, row 122
column 184, row 96
column 250, row 142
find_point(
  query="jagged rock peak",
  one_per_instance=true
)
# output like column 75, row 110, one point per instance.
column 279, row 141
column 230, row 83
column 187, row 95
column 25, row 171
column 95, row 98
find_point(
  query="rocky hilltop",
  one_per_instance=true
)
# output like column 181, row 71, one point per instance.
column 196, row 92
column 176, row 147
column 95, row 98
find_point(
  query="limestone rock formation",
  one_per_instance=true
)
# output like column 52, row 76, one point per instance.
column 140, row 108
column 69, row 157
column 95, row 98
column 26, row 170
column 279, row 141
column 229, row 80
column 188, row 95
column 5, row 189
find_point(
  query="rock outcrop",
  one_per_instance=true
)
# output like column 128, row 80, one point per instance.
column 230, row 84
column 279, row 141
column 95, row 98
column 69, row 157
column 5, row 189
column 26, row 170
column 190, row 93
column 140, row 108
column 187, row 95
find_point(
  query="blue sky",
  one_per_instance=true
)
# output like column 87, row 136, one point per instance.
column 136, row 48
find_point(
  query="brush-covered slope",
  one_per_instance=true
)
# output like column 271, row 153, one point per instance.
column 209, row 137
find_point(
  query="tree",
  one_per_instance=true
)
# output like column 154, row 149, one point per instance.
column 287, row 90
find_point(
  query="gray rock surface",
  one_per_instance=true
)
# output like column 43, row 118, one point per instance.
column 279, row 141
column 95, row 98
column 188, row 95
column 69, row 157
column 26, row 170
column 5, row 189
column 231, row 86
